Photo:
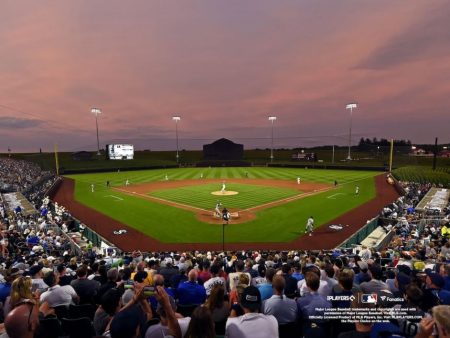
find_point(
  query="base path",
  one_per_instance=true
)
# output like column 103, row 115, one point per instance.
column 323, row 237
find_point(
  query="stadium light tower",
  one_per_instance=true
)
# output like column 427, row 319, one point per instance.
column 350, row 106
column 272, row 119
column 176, row 119
column 97, row 112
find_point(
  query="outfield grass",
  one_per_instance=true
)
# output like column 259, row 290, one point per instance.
column 276, row 224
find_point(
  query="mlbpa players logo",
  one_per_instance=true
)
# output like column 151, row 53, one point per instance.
column 370, row 298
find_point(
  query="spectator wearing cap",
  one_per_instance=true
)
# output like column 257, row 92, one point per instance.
column 64, row 277
column 284, row 309
column 401, row 282
column 266, row 288
column 190, row 292
column 434, row 292
column 308, row 304
column 85, row 288
column 375, row 284
column 57, row 295
column 252, row 323
column 444, row 271
column 36, row 275
column 214, row 280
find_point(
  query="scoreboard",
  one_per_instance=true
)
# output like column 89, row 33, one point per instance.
column 120, row 151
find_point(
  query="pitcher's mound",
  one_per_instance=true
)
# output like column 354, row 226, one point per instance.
column 224, row 193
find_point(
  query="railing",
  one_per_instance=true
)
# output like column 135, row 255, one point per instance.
column 361, row 234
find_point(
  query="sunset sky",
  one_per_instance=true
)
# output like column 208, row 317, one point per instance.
column 224, row 67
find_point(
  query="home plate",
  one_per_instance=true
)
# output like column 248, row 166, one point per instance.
column 224, row 193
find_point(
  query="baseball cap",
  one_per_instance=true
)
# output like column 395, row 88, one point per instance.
column 404, row 268
column 403, row 279
column 436, row 279
column 251, row 298
column 35, row 269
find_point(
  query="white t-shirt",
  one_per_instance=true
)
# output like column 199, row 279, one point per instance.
column 210, row 283
column 58, row 295
column 161, row 331
column 252, row 325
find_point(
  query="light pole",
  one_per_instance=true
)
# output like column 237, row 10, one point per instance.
column 176, row 119
column 272, row 119
column 350, row 106
column 97, row 112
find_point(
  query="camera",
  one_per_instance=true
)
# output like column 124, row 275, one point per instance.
column 129, row 285
column 149, row 291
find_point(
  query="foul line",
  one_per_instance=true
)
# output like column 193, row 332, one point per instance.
column 288, row 199
column 118, row 198
column 153, row 198
column 332, row 196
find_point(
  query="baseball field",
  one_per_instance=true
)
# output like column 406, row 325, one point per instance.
column 177, row 205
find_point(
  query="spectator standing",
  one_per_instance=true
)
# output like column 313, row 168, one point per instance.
column 283, row 308
column 86, row 289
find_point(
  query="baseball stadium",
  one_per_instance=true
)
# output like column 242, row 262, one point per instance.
column 265, row 169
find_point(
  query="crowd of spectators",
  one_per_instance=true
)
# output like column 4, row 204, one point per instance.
column 46, row 290
column 19, row 175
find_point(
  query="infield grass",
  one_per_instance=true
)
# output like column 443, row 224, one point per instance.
column 275, row 224
column 248, row 195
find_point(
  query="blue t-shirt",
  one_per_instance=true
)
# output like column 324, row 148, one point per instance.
column 190, row 293
column 265, row 290
column 5, row 290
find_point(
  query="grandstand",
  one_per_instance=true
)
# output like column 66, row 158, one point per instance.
column 399, row 250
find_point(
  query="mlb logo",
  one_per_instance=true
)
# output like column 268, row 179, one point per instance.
column 370, row 298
